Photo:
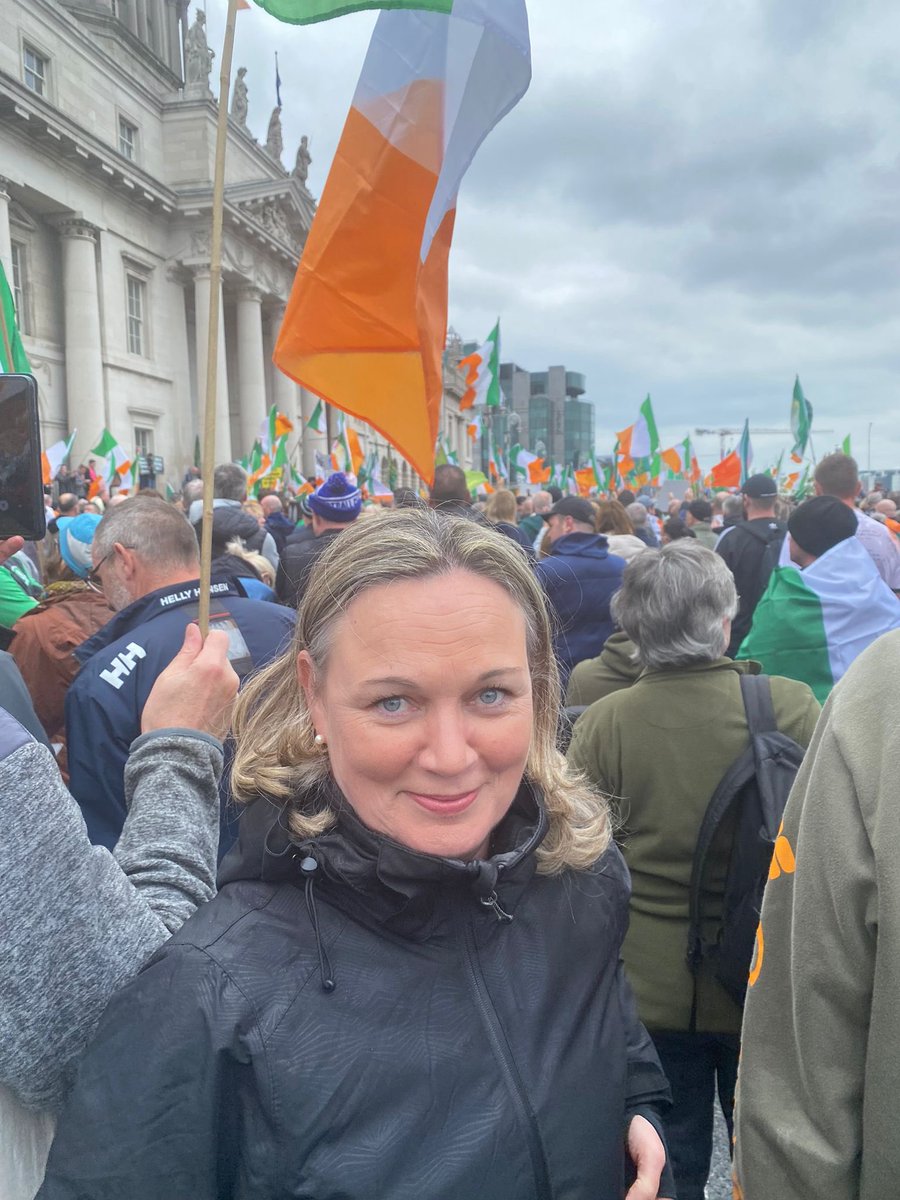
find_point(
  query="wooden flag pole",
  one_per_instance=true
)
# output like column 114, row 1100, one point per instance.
column 212, row 341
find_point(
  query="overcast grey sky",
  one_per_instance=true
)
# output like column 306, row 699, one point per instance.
column 695, row 200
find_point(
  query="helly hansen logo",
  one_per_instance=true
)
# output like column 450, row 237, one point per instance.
column 123, row 664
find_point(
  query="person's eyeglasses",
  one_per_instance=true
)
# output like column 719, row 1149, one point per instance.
column 93, row 576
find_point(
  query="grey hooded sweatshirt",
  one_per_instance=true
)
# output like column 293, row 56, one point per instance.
column 77, row 922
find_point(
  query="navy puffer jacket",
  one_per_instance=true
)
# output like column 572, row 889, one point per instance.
column 580, row 578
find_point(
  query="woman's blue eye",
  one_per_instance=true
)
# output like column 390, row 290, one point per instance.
column 393, row 704
column 491, row 696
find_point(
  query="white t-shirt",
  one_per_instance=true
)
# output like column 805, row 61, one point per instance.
column 883, row 548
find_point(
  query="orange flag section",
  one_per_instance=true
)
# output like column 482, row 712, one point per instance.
column 367, row 319
column 727, row 473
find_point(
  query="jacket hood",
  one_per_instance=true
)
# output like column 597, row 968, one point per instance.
column 581, row 545
column 379, row 880
column 618, row 657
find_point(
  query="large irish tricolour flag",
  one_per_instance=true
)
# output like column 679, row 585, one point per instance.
column 811, row 624
column 366, row 323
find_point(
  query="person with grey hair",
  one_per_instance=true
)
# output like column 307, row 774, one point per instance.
column 662, row 746
column 637, row 515
column 146, row 560
column 230, row 521
column 732, row 511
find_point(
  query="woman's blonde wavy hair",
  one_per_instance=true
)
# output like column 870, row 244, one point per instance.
column 276, row 755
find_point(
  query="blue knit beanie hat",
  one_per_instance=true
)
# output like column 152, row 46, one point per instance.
column 337, row 499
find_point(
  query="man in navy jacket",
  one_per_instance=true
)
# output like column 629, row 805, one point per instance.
column 579, row 577
column 145, row 558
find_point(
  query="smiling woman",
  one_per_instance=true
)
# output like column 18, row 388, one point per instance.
column 409, row 984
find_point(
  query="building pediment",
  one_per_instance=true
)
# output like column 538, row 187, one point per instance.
column 283, row 207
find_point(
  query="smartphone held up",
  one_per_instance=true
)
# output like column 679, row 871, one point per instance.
column 21, row 473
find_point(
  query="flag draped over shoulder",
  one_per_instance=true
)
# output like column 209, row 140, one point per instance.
column 366, row 323
column 483, row 373
column 307, row 12
column 12, row 352
column 810, row 625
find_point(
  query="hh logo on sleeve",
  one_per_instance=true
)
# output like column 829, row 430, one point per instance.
column 123, row 664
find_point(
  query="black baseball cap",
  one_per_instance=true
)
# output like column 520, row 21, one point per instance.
column 760, row 487
column 574, row 507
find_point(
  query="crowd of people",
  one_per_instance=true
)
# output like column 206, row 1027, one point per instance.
column 390, row 886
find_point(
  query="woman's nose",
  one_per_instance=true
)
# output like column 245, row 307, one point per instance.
column 447, row 750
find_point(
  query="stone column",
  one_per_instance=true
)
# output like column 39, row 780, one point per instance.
column 5, row 238
column 251, row 364
column 223, row 418
column 172, row 36
column 142, row 30
column 84, row 353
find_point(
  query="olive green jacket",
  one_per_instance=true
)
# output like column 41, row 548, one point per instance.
column 817, row 1094
column 660, row 748
column 614, row 668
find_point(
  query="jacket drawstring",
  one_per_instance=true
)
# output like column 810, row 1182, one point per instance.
column 309, row 866
column 486, row 874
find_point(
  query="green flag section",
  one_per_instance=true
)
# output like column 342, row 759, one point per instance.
column 810, row 625
column 745, row 453
column 845, row 446
column 12, row 352
column 317, row 422
column 109, row 448
column 801, row 420
column 307, row 12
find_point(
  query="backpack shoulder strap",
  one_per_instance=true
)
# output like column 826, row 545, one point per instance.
column 757, row 696
column 741, row 770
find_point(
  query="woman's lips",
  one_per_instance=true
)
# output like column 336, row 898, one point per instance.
column 446, row 806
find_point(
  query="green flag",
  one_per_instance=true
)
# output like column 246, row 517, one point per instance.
column 306, row 12
column 845, row 446
column 801, row 420
column 317, row 422
column 12, row 352
column 745, row 452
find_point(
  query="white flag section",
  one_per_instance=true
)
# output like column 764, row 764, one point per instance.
column 54, row 457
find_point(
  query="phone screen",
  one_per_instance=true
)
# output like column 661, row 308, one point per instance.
column 21, row 476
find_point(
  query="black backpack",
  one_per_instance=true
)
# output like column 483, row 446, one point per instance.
column 758, row 784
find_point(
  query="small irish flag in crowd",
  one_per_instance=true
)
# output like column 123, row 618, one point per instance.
column 483, row 373
column 639, row 440
column 318, row 422
column 801, row 421
column 110, row 449
column 275, row 426
column 54, row 457
column 811, row 624
column 366, row 324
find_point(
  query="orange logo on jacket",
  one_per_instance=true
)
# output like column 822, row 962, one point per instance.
column 783, row 863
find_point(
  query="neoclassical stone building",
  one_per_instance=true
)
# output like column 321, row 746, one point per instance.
column 107, row 142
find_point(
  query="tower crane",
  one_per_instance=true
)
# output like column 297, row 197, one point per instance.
column 722, row 434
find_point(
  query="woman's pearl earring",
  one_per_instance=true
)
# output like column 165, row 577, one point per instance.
column 320, row 742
